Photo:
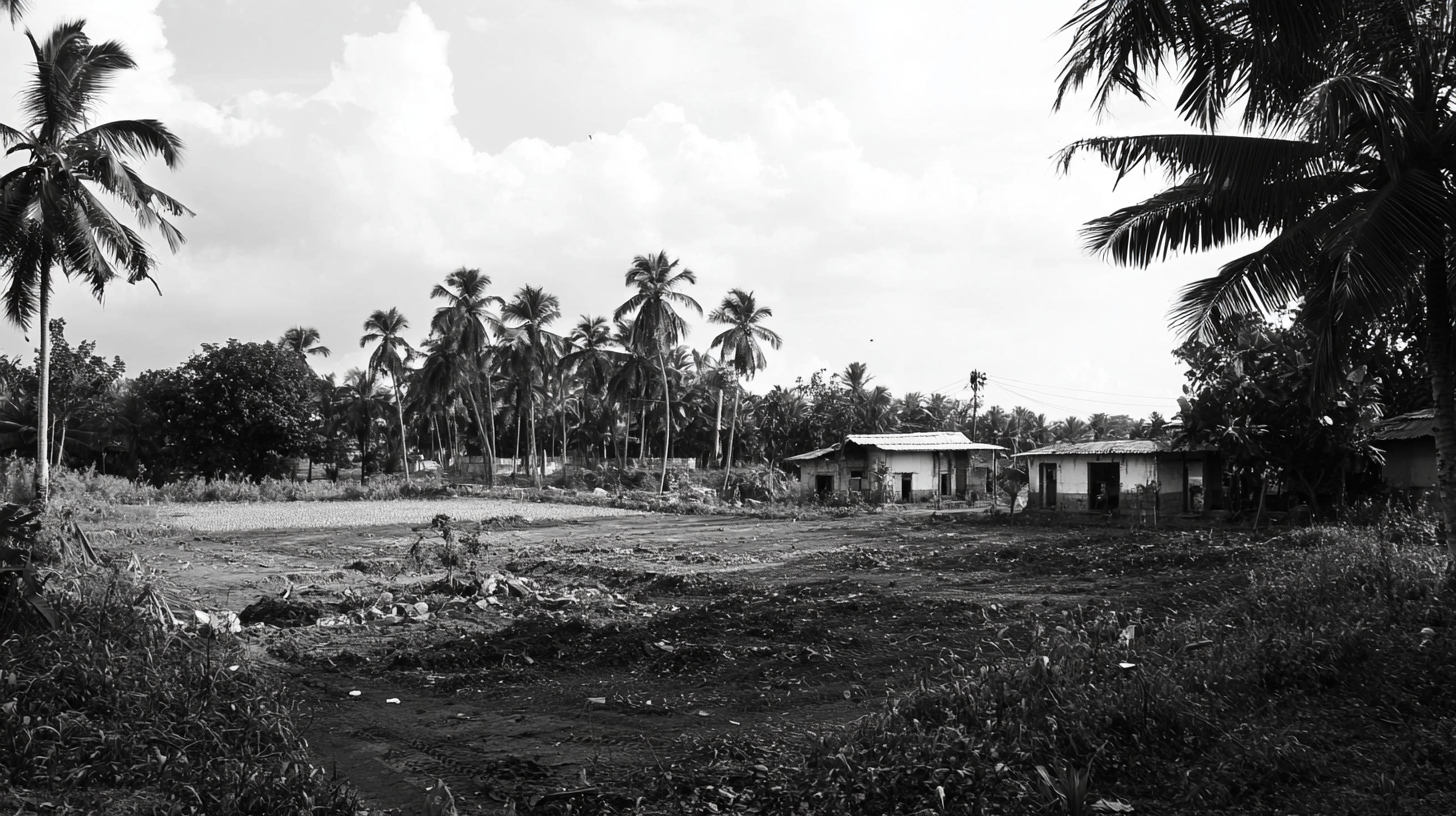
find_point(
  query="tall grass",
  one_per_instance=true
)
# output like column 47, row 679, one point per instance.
column 87, row 487
column 1329, row 685
column 178, row 722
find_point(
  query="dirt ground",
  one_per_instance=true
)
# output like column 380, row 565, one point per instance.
column 565, row 661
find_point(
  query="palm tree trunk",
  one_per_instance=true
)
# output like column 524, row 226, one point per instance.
column 535, row 471
column 1443, row 378
column 403, row 448
column 561, row 391
column 642, row 433
column 490, row 432
column 43, row 396
column 732, row 431
column 718, row 429
column 516, row 458
column 485, row 445
column 666, row 421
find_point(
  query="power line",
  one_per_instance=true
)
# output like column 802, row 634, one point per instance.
column 1083, row 390
column 1163, row 401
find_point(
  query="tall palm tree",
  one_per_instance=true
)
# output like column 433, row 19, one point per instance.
column 468, row 323
column 656, row 325
column 391, row 357
column 536, row 350
column 50, row 215
column 1348, row 167
column 361, row 399
column 739, row 346
column 592, row 357
column 304, row 341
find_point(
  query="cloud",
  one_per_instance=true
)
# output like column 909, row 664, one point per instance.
column 321, row 205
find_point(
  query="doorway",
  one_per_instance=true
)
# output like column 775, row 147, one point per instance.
column 906, row 482
column 1103, row 485
column 823, row 483
column 1049, row 486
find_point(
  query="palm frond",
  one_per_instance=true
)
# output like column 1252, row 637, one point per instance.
column 136, row 138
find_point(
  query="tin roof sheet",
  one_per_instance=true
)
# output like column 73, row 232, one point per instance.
column 928, row 441
column 1414, row 425
column 1106, row 447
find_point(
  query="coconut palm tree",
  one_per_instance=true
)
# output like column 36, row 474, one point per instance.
column 304, row 341
column 740, row 346
column 50, row 215
column 467, row 324
column 591, row 357
column 361, row 399
column 1345, row 178
column 391, row 357
column 535, row 349
column 14, row 8
column 656, row 325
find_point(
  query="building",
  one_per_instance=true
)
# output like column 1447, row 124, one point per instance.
column 1123, row 475
column 907, row 467
column 1409, row 444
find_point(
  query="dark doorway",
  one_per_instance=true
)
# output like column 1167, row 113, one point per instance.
column 1103, row 485
column 824, row 483
column 905, row 482
column 1049, row 486
column 945, row 484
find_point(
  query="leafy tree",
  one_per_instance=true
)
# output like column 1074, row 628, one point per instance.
column 656, row 326
column 1247, row 396
column 81, row 394
column 232, row 410
column 50, row 216
column 1347, row 166
column 740, row 346
column 591, row 356
column 391, row 358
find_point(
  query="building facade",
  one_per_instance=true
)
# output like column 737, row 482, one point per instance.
column 901, row 467
column 1123, row 476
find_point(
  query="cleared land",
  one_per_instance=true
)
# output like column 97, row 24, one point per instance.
column 313, row 515
column 635, row 644
column 656, row 664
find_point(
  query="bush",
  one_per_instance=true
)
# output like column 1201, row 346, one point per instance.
column 113, row 699
column 1282, row 697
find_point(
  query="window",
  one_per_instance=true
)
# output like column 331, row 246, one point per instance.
column 856, row 480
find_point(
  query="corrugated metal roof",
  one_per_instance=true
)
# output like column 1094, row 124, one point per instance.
column 1107, row 447
column 1414, row 425
column 804, row 457
column 929, row 441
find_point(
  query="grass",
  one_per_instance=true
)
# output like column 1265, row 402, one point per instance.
column 115, row 711
column 1329, row 686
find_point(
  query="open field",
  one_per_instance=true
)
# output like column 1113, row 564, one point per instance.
column 665, row 664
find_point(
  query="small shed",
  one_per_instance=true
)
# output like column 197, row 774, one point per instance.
column 907, row 467
column 1409, row 444
column 1117, row 475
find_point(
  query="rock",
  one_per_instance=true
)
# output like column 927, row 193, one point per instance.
column 598, row 492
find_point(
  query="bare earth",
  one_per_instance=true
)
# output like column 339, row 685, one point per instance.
column 640, row 641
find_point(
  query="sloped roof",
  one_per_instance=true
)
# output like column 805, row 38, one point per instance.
column 1107, row 447
column 1414, row 425
column 804, row 457
column 929, row 441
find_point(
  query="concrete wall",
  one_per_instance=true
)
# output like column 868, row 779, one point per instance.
column 1409, row 463
column 924, row 468
column 1073, row 491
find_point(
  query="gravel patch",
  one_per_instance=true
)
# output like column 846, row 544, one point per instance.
column 234, row 516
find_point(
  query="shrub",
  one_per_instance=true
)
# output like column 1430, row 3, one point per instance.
column 113, row 699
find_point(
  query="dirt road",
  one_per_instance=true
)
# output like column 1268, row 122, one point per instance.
column 580, row 662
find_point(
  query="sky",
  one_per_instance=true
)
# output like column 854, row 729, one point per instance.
column 881, row 175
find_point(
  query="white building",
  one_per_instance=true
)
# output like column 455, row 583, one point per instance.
column 907, row 467
column 1123, row 475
